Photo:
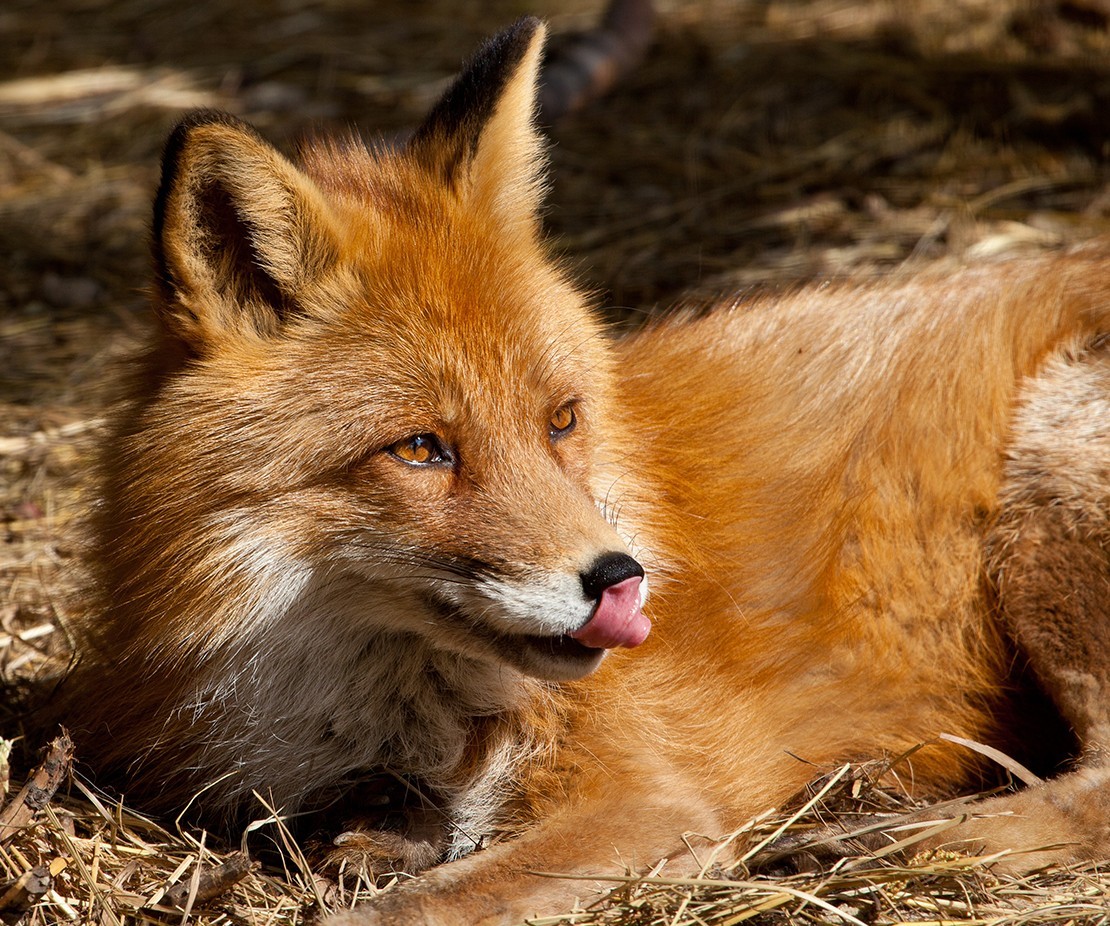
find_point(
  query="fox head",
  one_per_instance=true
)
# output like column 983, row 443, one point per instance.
column 375, row 395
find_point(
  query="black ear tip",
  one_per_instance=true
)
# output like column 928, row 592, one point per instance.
column 524, row 28
column 517, row 38
column 469, row 102
column 510, row 44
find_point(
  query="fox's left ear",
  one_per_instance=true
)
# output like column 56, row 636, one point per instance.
column 481, row 138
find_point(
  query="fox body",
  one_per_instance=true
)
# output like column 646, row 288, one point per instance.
column 385, row 497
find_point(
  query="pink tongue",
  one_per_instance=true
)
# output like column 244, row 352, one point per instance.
column 617, row 619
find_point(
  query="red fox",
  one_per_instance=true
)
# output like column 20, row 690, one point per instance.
column 385, row 498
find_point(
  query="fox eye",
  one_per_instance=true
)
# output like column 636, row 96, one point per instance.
column 562, row 422
column 421, row 450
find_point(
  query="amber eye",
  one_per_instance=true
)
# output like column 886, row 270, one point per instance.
column 421, row 450
column 563, row 421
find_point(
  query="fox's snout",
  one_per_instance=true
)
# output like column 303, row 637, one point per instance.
column 554, row 622
column 613, row 582
column 608, row 570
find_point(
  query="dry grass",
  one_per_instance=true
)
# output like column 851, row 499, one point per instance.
column 100, row 863
column 763, row 143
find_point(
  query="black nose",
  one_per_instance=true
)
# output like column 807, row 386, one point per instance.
column 609, row 569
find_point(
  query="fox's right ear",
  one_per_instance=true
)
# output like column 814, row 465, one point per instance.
column 239, row 232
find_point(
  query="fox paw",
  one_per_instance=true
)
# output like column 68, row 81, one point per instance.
column 374, row 853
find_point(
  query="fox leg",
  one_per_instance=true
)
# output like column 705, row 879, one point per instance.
column 378, row 847
column 1051, row 547
column 1050, row 557
column 608, row 834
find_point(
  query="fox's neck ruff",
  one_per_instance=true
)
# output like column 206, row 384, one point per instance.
column 316, row 695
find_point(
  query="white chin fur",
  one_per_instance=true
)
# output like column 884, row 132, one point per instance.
column 546, row 606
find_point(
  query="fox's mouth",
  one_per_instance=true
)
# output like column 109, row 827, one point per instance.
column 562, row 646
column 554, row 657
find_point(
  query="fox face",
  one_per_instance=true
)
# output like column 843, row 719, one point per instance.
column 394, row 400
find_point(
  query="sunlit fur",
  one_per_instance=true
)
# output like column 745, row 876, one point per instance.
column 828, row 492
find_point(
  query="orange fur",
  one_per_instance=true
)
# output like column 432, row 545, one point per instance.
column 817, row 487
